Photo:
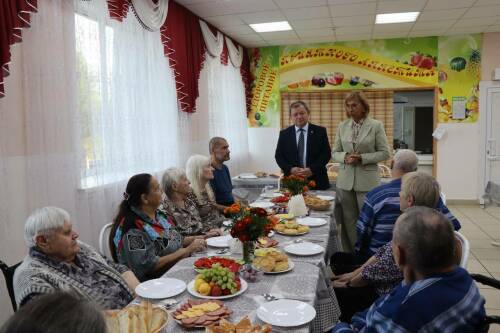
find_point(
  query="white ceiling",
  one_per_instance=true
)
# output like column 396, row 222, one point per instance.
column 317, row 21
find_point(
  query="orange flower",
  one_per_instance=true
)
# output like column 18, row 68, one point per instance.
column 305, row 188
column 312, row 183
column 233, row 209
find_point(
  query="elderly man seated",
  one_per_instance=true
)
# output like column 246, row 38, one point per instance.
column 57, row 261
column 379, row 213
column 436, row 295
column 357, row 289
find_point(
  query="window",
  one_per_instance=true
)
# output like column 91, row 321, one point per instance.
column 127, row 101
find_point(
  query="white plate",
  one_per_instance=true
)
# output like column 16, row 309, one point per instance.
column 286, row 313
column 291, row 265
column 292, row 235
column 304, row 249
column 192, row 291
column 262, row 204
column 311, row 221
column 271, row 195
column 247, row 176
column 160, row 288
column 219, row 241
column 326, row 197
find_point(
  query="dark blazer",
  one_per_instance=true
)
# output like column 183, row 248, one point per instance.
column 318, row 153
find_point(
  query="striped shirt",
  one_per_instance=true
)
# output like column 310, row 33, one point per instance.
column 444, row 303
column 379, row 214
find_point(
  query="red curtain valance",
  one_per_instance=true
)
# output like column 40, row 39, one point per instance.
column 118, row 9
column 14, row 16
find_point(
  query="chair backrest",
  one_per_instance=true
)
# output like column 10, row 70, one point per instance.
column 8, row 273
column 465, row 249
column 104, row 241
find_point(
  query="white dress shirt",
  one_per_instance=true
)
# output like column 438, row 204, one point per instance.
column 297, row 134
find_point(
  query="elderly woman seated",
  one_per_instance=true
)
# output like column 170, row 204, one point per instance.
column 142, row 237
column 57, row 261
column 181, row 206
column 199, row 172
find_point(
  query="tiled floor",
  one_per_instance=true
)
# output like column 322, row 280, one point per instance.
column 481, row 227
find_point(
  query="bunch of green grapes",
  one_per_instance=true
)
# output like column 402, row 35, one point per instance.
column 221, row 276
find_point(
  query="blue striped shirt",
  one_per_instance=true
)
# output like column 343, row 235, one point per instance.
column 443, row 303
column 379, row 214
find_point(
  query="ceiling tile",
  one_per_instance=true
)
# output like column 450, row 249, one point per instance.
column 311, row 24
column 209, row 9
column 307, row 13
column 354, row 37
column 400, row 6
column 483, row 11
column 432, row 25
column 315, row 32
column 245, row 6
column 287, row 41
column 486, row 3
column 425, row 33
column 347, row 2
column 475, row 22
column 467, row 30
column 447, row 4
column 387, row 35
column 225, row 21
column 493, row 28
column 353, row 9
column 437, row 15
column 353, row 20
column 248, row 38
column 238, row 30
column 324, row 39
column 299, row 3
column 394, row 27
column 262, row 17
column 278, row 35
column 360, row 29
column 192, row 2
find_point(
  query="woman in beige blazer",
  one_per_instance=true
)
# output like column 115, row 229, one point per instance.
column 360, row 143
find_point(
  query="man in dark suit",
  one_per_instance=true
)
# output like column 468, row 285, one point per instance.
column 303, row 148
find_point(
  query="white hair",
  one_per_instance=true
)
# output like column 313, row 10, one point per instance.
column 170, row 177
column 194, row 172
column 42, row 222
column 406, row 160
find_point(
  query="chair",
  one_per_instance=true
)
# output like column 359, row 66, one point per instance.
column 488, row 281
column 104, row 241
column 8, row 273
column 465, row 249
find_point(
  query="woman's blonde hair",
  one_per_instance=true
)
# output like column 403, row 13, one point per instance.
column 422, row 187
column 360, row 97
column 194, row 172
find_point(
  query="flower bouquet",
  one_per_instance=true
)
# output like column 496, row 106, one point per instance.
column 248, row 224
column 297, row 185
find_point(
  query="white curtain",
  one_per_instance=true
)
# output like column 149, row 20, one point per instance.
column 222, row 106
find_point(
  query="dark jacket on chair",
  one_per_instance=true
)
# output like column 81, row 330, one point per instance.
column 318, row 153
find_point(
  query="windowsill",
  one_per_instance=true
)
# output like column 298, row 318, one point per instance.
column 109, row 181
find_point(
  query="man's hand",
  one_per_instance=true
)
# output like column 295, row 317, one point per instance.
column 296, row 171
column 306, row 172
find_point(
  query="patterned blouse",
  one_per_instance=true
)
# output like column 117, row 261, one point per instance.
column 383, row 274
column 141, row 250
column 93, row 275
column 187, row 220
column 210, row 215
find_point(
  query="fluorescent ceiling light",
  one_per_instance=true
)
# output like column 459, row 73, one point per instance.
column 396, row 17
column 271, row 26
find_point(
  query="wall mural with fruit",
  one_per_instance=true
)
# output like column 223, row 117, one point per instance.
column 452, row 62
column 459, row 74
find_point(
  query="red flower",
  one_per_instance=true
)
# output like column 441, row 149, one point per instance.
column 312, row 183
column 259, row 211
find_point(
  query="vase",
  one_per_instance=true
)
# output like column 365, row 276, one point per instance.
column 248, row 251
column 297, row 205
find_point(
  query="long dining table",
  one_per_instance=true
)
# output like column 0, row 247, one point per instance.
column 309, row 281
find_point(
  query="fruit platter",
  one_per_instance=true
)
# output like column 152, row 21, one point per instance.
column 206, row 263
column 280, row 200
column 201, row 313
column 217, row 283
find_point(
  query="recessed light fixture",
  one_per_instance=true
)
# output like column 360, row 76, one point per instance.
column 271, row 26
column 396, row 17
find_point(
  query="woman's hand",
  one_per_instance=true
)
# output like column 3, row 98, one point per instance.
column 340, row 281
column 353, row 158
column 196, row 245
column 213, row 233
